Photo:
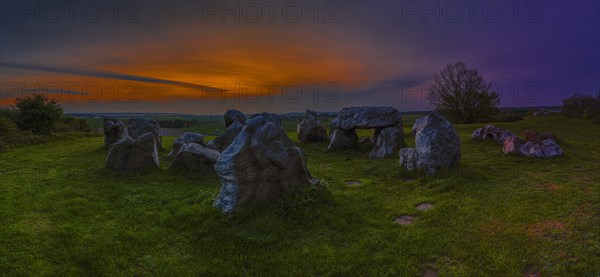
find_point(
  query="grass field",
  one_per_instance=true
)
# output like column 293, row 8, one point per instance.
column 61, row 214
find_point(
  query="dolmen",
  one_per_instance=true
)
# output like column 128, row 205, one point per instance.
column 261, row 165
column 491, row 132
column 138, row 126
column 133, row 154
column 536, row 144
column 310, row 129
column 387, row 138
column 437, row 145
column 185, row 138
column 113, row 130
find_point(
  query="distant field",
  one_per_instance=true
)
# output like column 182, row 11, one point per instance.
column 62, row 215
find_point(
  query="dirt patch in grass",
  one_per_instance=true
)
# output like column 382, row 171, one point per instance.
column 552, row 229
column 493, row 227
column 404, row 219
column 547, row 186
column 39, row 224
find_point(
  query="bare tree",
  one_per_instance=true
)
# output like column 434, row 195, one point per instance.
column 459, row 93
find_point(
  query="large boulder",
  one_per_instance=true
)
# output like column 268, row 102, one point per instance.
column 417, row 125
column 491, row 132
column 534, row 148
column 232, row 116
column 541, row 149
column 186, row 138
column 531, row 135
column 512, row 145
column 195, row 157
column 343, row 139
column 222, row 141
column 113, row 130
column 133, row 154
column 387, row 141
column 272, row 117
column 310, row 129
column 260, row 165
column 366, row 118
column 437, row 145
column 138, row 126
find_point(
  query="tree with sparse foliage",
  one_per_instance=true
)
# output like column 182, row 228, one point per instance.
column 38, row 114
column 581, row 106
column 460, row 93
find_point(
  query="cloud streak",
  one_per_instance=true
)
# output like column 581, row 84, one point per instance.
column 109, row 75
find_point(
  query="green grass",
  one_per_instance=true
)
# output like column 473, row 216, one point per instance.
column 61, row 214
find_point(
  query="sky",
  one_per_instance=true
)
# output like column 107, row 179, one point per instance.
column 204, row 57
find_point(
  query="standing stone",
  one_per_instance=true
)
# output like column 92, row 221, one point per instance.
column 387, row 141
column 437, row 145
column 140, row 125
column 275, row 118
column 195, row 157
column 417, row 125
column 113, row 130
column 310, row 129
column 133, row 154
column 343, row 139
column 232, row 116
column 222, row 141
column 260, row 165
column 408, row 158
column 186, row 138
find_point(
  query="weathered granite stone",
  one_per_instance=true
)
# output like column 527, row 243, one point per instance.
column 310, row 129
column 531, row 135
column 408, row 158
column 511, row 145
column 275, row 118
column 129, row 154
column 113, row 130
column 387, row 141
column 234, row 116
column 186, row 138
column 387, row 122
column 343, row 139
column 491, row 132
column 195, row 157
column 437, row 145
column 222, row 141
column 260, row 165
column 543, row 149
column 417, row 125
column 140, row 125
column 366, row 118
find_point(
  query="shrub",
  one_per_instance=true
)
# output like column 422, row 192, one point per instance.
column 581, row 106
column 11, row 135
column 38, row 114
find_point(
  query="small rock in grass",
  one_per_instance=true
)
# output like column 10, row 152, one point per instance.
column 405, row 219
column 424, row 206
column 352, row 183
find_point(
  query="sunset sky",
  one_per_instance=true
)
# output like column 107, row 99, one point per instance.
column 193, row 57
